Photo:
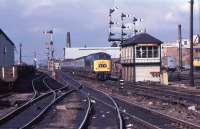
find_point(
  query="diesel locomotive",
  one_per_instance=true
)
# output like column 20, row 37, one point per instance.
column 97, row 65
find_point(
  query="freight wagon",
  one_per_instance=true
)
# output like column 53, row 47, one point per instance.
column 196, row 63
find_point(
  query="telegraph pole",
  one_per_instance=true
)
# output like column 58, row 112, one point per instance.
column 122, row 27
column 35, row 59
column 191, row 42
column 180, row 45
column 20, row 54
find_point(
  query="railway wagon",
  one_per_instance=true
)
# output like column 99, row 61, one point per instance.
column 97, row 65
column 196, row 63
column 169, row 63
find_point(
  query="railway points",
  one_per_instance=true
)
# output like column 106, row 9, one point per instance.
column 104, row 108
column 28, row 113
column 72, row 105
column 173, row 124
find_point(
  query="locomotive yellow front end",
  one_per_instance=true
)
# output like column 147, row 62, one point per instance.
column 102, row 68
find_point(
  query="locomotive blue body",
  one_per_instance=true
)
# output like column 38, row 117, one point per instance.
column 96, row 65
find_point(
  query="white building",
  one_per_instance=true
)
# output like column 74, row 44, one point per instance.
column 185, row 42
column 6, row 50
column 141, row 58
column 73, row 53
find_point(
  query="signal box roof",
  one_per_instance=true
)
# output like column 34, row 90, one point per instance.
column 142, row 38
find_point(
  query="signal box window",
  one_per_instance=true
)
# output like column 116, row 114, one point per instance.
column 138, row 52
column 155, row 49
column 144, row 52
column 150, row 52
column 147, row 52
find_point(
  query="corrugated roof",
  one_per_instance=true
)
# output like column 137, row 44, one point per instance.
column 142, row 38
column 1, row 32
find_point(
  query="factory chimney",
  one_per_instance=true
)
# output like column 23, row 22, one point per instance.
column 68, row 40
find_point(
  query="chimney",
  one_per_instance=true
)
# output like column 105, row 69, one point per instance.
column 68, row 40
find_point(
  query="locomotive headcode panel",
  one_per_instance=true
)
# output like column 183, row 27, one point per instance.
column 102, row 65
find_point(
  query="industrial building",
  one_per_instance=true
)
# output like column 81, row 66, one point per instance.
column 141, row 58
column 6, row 50
column 73, row 53
column 172, row 49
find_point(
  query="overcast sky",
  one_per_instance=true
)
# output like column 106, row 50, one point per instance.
column 87, row 20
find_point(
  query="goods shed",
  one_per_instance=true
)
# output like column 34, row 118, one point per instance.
column 6, row 50
column 141, row 58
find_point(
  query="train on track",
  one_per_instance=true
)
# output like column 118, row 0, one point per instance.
column 97, row 65
column 196, row 63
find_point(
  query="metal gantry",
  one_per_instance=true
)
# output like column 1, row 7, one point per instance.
column 123, row 26
column 50, row 50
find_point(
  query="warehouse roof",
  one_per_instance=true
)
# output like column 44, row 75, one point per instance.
column 73, row 53
column 1, row 32
column 142, row 38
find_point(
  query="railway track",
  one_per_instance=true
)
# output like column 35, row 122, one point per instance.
column 147, row 118
column 104, row 109
column 30, row 112
column 162, row 93
column 35, row 94
column 37, row 122
column 151, row 118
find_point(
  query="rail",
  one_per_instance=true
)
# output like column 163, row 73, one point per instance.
column 113, row 101
column 81, row 126
column 83, row 123
column 45, row 83
column 179, row 123
column 176, row 120
column 118, row 112
column 12, row 113
column 33, row 121
column 35, row 99
column 33, row 86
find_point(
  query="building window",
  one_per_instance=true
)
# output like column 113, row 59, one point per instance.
column 144, row 52
column 150, row 52
column 147, row 52
column 4, row 50
column 155, row 50
column 185, row 42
